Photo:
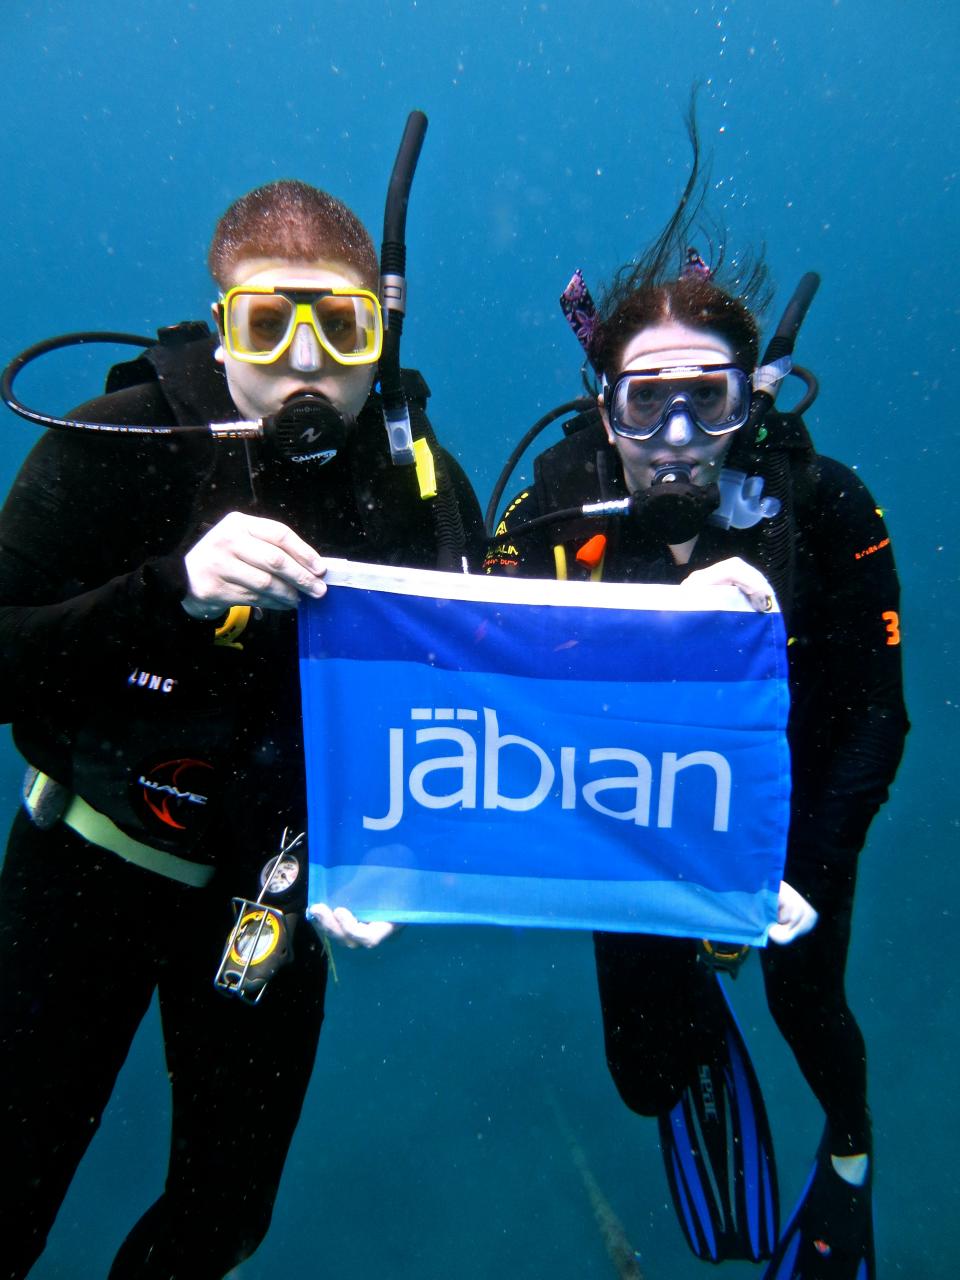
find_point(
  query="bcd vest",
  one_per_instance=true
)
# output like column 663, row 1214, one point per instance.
column 583, row 467
column 199, row 752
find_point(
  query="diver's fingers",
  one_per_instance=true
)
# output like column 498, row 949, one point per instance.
column 326, row 922
column 363, row 933
column 250, row 560
column 736, row 573
column 287, row 552
column 795, row 916
column 341, row 924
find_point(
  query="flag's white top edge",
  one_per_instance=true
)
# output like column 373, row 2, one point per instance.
column 432, row 583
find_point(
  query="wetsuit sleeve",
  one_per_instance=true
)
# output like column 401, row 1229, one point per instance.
column 847, row 686
column 80, row 572
column 524, row 554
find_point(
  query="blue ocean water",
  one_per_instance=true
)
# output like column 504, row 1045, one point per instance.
column 460, row 1088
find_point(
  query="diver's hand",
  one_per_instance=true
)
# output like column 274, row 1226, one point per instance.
column 736, row 573
column 795, row 916
column 249, row 560
column 344, row 926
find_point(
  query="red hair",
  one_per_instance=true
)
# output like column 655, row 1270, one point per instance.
column 289, row 219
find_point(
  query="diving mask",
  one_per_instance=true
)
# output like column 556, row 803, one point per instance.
column 258, row 323
column 716, row 398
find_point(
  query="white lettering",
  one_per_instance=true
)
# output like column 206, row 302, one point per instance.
column 169, row 790
column 639, row 785
column 147, row 680
column 465, row 764
column 671, row 766
column 522, row 756
column 493, row 744
column 568, row 780
column 320, row 458
column 395, row 776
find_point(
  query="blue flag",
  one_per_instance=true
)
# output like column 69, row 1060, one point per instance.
column 516, row 751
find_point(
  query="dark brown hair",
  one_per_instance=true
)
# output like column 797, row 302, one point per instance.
column 693, row 301
column 289, row 219
column 651, row 290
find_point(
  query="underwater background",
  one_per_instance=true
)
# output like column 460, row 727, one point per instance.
column 461, row 1121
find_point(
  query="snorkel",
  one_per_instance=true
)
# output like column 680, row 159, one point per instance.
column 393, row 290
column 777, row 360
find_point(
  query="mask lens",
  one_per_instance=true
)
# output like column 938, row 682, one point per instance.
column 639, row 404
column 258, row 324
column 350, row 324
column 718, row 400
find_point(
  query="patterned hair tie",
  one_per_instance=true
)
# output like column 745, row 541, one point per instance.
column 695, row 266
column 581, row 311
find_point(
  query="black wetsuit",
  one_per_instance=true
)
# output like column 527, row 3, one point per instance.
column 846, row 730
column 191, row 747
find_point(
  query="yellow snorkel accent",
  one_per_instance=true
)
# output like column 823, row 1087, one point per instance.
column 426, row 471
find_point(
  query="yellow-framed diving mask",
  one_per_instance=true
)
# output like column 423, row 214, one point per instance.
column 258, row 323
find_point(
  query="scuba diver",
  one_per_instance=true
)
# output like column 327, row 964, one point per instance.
column 152, row 552
column 679, row 471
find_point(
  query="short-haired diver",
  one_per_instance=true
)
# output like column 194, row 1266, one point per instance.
column 153, row 551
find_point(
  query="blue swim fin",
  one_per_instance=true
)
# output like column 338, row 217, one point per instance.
column 718, row 1154
column 830, row 1235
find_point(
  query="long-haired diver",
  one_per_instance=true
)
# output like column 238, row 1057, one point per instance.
column 697, row 479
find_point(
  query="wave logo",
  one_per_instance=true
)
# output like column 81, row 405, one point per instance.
column 175, row 791
column 482, row 751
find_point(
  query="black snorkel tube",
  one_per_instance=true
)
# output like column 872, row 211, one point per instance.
column 783, row 341
column 777, row 360
column 448, row 520
column 393, row 289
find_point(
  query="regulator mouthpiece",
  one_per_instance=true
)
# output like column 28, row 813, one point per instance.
column 672, row 473
column 674, row 509
column 307, row 428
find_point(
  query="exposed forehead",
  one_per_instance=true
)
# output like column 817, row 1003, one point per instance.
column 673, row 343
column 320, row 273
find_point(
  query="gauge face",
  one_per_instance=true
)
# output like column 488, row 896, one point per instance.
column 256, row 938
column 281, row 872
